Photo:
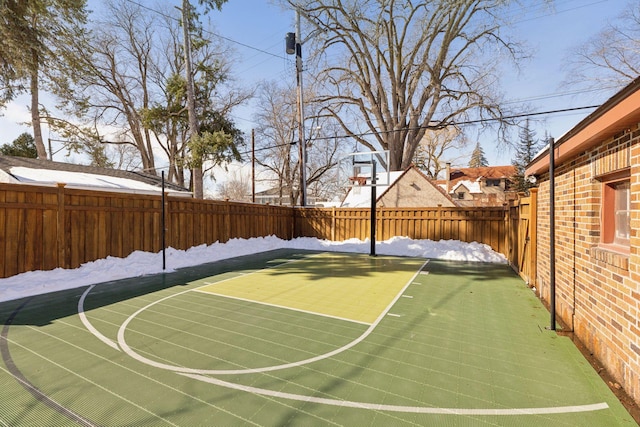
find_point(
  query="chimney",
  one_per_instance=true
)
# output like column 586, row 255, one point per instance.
column 448, row 178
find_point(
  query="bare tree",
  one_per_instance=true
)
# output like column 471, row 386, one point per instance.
column 277, row 137
column 435, row 146
column 114, row 86
column 236, row 188
column 133, row 80
column 610, row 58
column 215, row 96
column 124, row 156
column 394, row 69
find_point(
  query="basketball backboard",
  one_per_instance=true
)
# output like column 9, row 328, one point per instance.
column 357, row 169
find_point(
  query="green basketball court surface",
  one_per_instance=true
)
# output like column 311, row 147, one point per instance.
column 298, row 338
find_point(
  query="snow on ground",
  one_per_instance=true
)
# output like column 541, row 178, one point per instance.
column 143, row 263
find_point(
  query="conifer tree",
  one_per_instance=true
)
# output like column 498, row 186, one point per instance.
column 34, row 33
column 477, row 158
column 22, row 146
column 526, row 149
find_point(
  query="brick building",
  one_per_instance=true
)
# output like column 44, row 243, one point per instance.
column 597, row 229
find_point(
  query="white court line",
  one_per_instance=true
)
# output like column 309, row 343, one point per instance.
column 282, row 306
column 108, row 360
column 400, row 408
column 88, row 324
column 83, row 378
column 407, row 296
column 128, row 350
column 198, row 375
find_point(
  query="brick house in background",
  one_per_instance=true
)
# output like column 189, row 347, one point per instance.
column 597, row 229
column 483, row 186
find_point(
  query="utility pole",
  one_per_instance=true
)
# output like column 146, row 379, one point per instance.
column 196, row 169
column 253, row 165
column 294, row 45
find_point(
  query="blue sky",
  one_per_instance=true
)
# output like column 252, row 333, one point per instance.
column 551, row 34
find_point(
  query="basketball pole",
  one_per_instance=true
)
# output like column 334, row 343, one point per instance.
column 372, row 252
column 164, row 227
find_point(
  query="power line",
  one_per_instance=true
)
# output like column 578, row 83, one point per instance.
column 460, row 123
column 561, row 94
column 208, row 31
column 271, row 147
column 465, row 122
column 571, row 9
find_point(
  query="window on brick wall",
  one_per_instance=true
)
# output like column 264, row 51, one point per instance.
column 616, row 219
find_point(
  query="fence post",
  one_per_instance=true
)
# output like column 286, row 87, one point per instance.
column 333, row 224
column 507, row 229
column 438, row 229
column 167, row 221
column 61, row 235
column 227, row 220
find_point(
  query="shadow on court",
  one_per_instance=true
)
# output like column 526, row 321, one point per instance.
column 40, row 310
column 463, row 344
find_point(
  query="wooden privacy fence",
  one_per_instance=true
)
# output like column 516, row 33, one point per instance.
column 44, row 227
column 486, row 225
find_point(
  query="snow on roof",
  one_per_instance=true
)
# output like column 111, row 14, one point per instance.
column 472, row 186
column 79, row 179
column 22, row 170
column 359, row 196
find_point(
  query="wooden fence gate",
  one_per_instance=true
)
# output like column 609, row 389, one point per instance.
column 522, row 236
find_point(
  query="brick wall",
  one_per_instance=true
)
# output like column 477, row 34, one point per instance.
column 597, row 291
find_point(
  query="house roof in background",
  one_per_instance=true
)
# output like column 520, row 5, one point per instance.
column 423, row 175
column 45, row 172
column 359, row 196
column 486, row 172
column 472, row 187
column 469, row 176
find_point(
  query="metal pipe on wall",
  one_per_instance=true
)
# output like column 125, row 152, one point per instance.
column 552, row 236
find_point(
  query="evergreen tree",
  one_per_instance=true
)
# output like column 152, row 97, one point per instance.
column 477, row 158
column 34, row 35
column 526, row 149
column 22, row 146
